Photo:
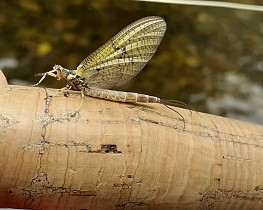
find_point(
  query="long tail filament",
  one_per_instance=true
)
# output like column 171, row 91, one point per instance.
column 175, row 103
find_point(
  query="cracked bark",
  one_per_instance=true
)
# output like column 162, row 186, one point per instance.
column 122, row 156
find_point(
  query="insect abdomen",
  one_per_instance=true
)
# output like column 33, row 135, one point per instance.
column 121, row 96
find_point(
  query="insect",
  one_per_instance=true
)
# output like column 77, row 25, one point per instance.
column 117, row 62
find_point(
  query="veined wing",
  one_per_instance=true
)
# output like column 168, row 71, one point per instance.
column 123, row 56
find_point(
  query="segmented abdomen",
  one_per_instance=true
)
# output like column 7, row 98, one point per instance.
column 121, row 96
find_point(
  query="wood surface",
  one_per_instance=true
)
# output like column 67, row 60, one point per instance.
column 114, row 155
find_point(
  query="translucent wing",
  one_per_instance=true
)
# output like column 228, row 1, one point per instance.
column 123, row 56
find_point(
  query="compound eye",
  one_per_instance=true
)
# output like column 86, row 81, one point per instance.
column 58, row 68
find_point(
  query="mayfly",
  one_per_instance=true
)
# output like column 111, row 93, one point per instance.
column 116, row 62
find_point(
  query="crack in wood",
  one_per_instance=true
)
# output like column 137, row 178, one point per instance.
column 34, row 147
column 46, row 119
column 130, row 204
column 41, row 185
column 219, row 136
column 105, row 148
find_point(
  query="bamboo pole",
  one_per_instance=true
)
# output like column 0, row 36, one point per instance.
column 114, row 155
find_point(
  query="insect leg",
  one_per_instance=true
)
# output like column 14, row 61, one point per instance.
column 66, row 90
column 82, row 100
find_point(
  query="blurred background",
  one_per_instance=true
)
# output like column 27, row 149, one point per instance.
column 210, row 58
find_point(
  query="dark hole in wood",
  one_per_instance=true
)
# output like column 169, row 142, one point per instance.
column 109, row 148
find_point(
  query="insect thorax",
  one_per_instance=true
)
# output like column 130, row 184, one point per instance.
column 77, row 84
